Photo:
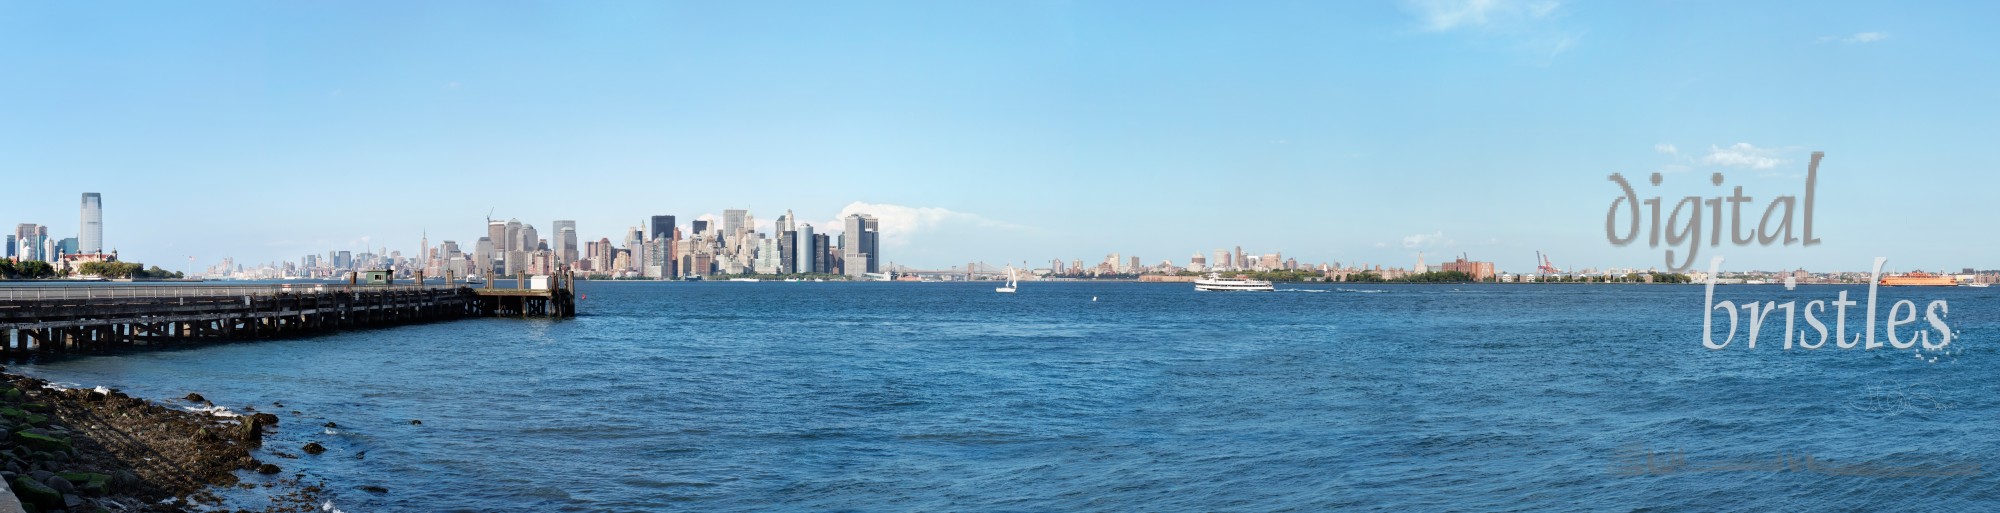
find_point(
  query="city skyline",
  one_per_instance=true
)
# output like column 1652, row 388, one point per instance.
column 1001, row 133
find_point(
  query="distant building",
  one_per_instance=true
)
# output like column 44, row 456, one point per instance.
column 1480, row 271
column 662, row 227
column 565, row 240
column 90, row 232
column 806, row 258
column 482, row 256
column 28, row 241
column 858, row 243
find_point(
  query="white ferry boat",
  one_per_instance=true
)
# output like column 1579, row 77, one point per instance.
column 1215, row 282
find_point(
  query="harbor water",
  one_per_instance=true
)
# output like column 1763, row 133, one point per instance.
column 1092, row 396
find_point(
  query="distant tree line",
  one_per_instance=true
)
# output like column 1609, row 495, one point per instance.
column 26, row 270
column 124, row 270
column 38, row 270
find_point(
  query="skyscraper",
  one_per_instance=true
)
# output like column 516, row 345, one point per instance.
column 28, row 238
column 806, row 256
column 662, row 228
column 857, row 242
column 528, row 239
column 511, row 240
column 90, row 232
column 482, row 256
column 700, row 227
column 565, row 241
column 871, row 242
column 496, row 247
column 787, row 241
column 732, row 221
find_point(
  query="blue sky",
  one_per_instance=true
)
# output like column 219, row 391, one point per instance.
column 1004, row 131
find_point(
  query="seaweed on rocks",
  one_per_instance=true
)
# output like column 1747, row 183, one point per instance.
column 85, row 450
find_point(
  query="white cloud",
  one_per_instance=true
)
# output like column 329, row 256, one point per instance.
column 1859, row 37
column 1527, row 28
column 1443, row 15
column 1742, row 155
column 1667, row 149
column 1425, row 240
column 900, row 223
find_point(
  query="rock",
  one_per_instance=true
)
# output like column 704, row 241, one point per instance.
column 195, row 398
column 414, row 422
column 42, row 442
column 268, row 469
column 90, row 482
column 41, row 475
column 374, row 489
column 124, row 479
column 265, row 419
column 331, row 424
column 61, row 485
column 35, row 493
column 72, row 502
column 313, row 448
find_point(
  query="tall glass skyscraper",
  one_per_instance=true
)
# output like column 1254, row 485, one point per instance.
column 90, row 235
column 804, row 259
column 662, row 228
column 564, row 241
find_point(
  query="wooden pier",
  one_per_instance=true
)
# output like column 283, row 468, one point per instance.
column 45, row 320
column 554, row 297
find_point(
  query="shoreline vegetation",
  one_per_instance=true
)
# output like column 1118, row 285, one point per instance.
column 38, row 270
column 79, row 450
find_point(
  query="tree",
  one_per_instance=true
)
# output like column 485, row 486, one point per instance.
column 34, row 269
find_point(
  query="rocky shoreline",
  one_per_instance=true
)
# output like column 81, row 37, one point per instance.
column 100, row 450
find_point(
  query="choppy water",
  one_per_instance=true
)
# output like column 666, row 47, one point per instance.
column 928, row 397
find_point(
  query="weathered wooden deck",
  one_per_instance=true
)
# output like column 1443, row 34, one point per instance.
column 40, row 320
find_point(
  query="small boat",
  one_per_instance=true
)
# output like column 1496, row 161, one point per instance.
column 752, row 280
column 474, row 280
column 1216, row 283
column 1976, row 285
column 1013, row 282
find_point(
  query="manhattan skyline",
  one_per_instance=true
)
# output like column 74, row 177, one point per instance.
column 1000, row 133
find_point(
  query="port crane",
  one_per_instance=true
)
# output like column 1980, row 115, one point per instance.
column 1543, row 264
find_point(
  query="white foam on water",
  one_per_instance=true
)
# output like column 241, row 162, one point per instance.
column 330, row 431
column 328, row 507
column 1304, row 290
column 217, row 411
column 1363, row 291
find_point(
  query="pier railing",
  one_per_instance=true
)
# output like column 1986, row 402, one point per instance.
column 10, row 293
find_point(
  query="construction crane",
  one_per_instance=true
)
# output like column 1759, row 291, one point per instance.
column 1543, row 264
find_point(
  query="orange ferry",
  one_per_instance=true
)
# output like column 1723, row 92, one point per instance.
column 1918, row 279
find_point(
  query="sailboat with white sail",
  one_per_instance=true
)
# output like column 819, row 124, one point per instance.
column 1013, row 282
